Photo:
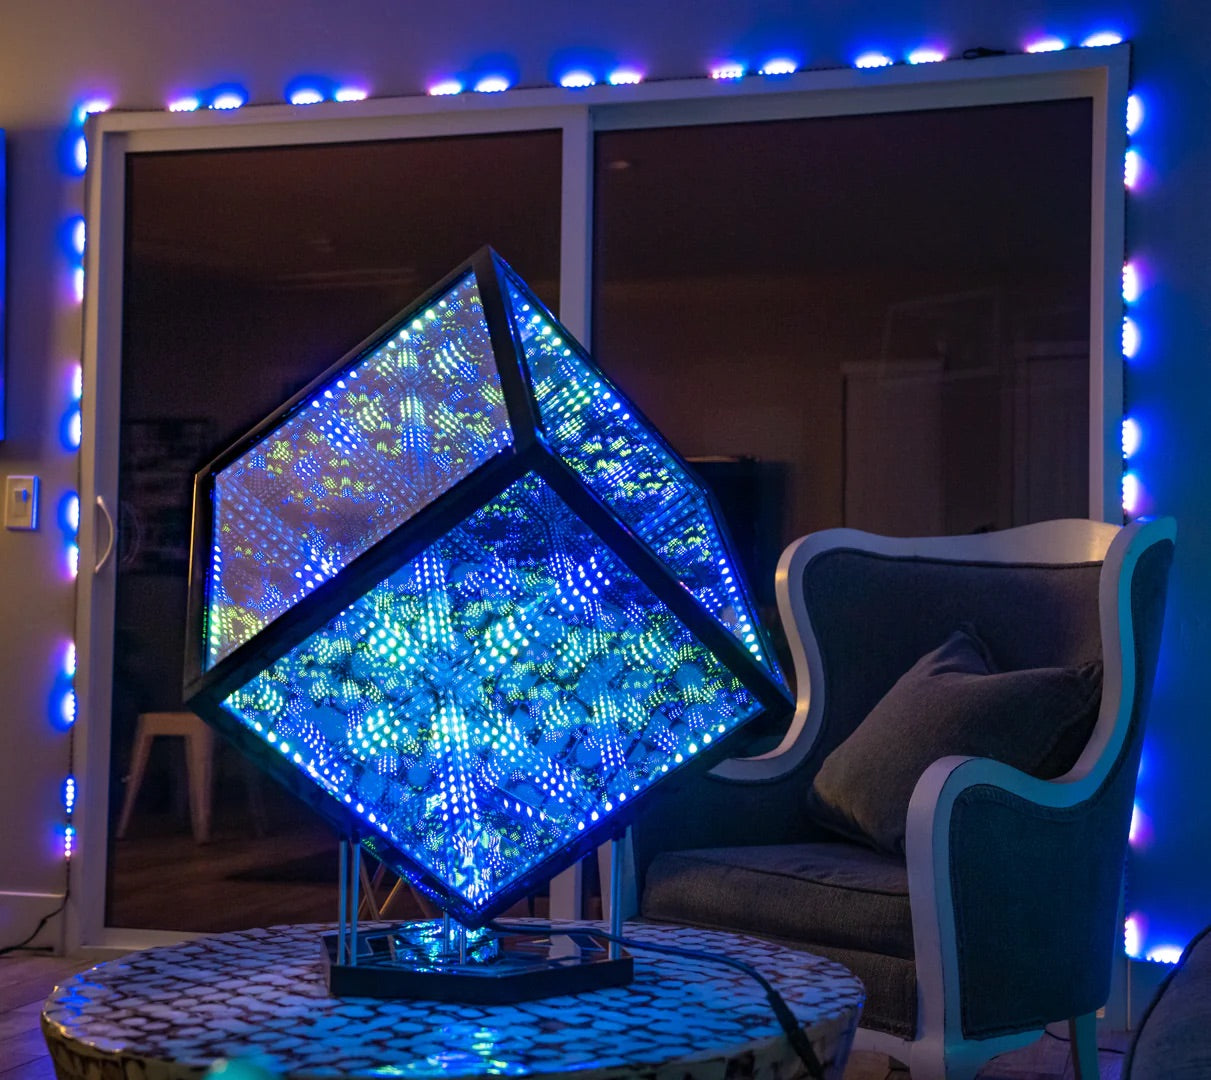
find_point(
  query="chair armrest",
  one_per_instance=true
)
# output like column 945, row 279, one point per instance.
column 1015, row 886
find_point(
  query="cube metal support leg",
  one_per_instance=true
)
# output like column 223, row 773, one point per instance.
column 349, row 861
column 342, row 907
column 442, row 960
column 616, row 847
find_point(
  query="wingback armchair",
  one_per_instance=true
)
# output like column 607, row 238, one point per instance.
column 1002, row 914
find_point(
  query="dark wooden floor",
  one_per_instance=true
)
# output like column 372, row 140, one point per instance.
column 162, row 880
column 1047, row 1059
column 25, row 981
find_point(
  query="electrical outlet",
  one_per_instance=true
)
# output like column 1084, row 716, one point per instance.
column 21, row 502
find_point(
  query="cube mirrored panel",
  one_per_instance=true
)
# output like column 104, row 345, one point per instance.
column 592, row 426
column 513, row 610
column 352, row 463
column 496, row 696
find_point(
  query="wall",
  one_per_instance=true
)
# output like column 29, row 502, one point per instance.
column 55, row 53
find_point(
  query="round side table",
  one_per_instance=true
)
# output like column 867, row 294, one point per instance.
column 169, row 1013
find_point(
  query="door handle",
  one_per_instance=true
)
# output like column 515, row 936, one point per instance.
column 113, row 532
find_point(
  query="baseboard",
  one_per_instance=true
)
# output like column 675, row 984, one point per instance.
column 1133, row 985
column 20, row 913
column 119, row 940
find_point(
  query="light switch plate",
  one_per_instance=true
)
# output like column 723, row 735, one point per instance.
column 21, row 502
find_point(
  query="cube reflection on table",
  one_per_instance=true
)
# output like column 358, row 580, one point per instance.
column 464, row 598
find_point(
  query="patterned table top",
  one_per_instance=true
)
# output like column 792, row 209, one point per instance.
column 168, row 1013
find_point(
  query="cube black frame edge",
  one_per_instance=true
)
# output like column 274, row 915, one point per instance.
column 196, row 674
column 206, row 689
column 692, row 476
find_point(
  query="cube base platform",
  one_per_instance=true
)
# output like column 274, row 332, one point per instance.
column 425, row 960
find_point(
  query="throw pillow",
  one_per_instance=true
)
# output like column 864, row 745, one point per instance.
column 952, row 701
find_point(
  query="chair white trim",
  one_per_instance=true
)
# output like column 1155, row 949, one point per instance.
column 1045, row 543
column 939, row 1049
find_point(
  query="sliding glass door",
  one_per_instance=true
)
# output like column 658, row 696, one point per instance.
column 248, row 271
column 879, row 321
column 890, row 304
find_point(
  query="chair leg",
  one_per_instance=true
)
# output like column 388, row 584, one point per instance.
column 199, row 766
column 256, row 805
column 138, row 765
column 1082, row 1032
column 932, row 1061
column 369, row 905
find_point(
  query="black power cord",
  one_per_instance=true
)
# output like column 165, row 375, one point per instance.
column 1100, row 1049
column 36, row 931
column 6, row 949
column 786, row 1019
column 67, row 868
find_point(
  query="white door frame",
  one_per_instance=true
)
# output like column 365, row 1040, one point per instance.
column 1100, row 74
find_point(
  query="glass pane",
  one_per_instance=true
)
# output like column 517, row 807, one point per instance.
column 604, row 438
column 876, row 321
column 495, row 696
column 366, row 453
column 250, row 272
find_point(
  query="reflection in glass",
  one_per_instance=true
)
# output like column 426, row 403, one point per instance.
column 881, row 320
column 247, row 272
column 408, row 422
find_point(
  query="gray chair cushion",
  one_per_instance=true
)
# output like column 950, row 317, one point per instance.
column 891, row 988
column 838, row 895
column 841, row 901
column 953, row 700
column 1173, row 1041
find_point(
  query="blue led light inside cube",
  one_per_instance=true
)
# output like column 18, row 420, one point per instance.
column 626, row 463
column 496, row 695
column 354, row 462
column 465, row 599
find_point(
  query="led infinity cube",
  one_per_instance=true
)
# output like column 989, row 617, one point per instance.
column 463, row 598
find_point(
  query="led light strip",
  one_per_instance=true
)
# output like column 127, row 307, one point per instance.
column 1133, row 286
column 63, row 701
column 313, row 89
column 306, row 91
column 1135, row 928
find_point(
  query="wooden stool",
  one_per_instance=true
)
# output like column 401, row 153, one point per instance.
column 199, row 765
